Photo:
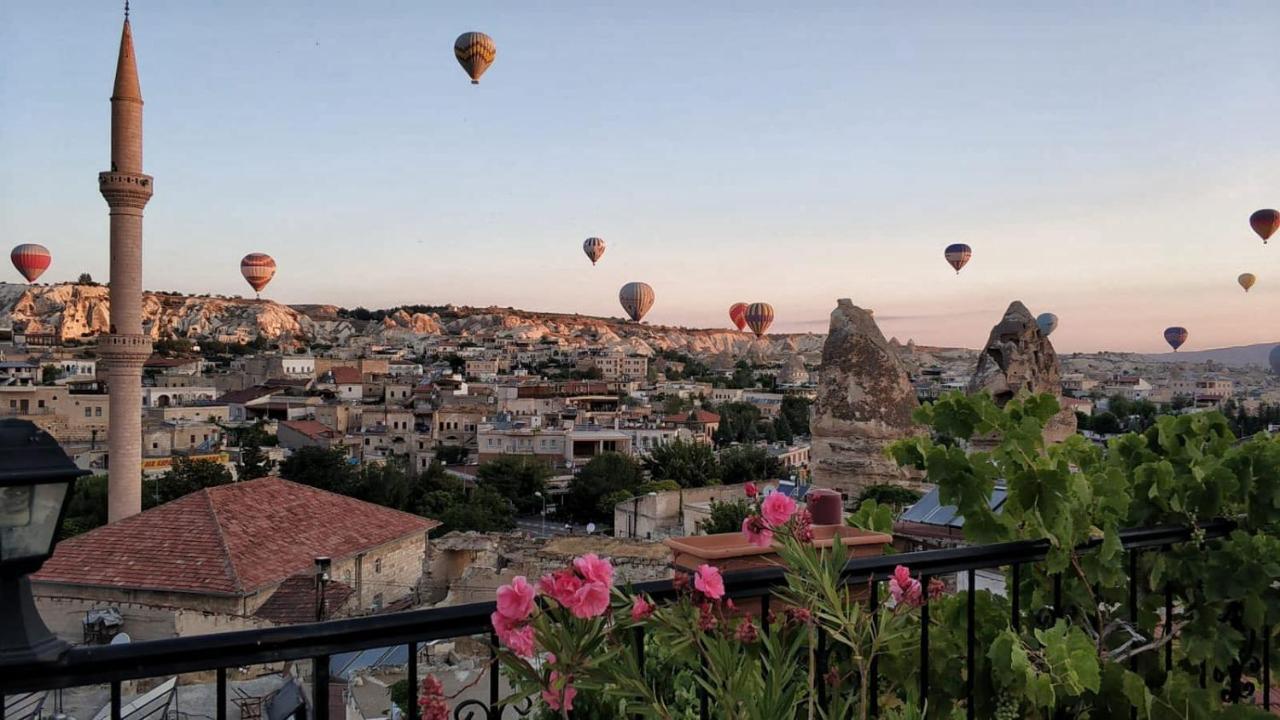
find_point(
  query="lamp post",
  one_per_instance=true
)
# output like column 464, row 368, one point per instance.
column 544, row 511
column 322, row 580
column 36, row 478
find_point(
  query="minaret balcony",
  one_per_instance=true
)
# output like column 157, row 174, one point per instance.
column 125, row 189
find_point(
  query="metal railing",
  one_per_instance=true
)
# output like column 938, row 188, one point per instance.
column 113, row 664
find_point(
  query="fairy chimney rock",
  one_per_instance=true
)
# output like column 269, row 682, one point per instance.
column 865, row 401
column 1019, row 358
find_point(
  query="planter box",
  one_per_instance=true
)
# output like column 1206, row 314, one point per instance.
column 731, row 552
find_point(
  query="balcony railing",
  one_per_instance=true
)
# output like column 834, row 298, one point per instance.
column 317, row 642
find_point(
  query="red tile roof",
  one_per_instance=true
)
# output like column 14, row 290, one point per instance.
column 231, row 539
column 346, row 376
column 249, row 394
column 295, row 600
column 313, row 429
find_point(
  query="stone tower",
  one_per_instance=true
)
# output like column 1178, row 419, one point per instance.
column 126, row 190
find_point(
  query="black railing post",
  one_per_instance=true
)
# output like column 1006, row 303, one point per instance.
column 320, row 687
column 115, row 700
column 495, row 670
column 822, row 668
column 221, row 712
column 1266, row 667
column 1015, row 596
column 413, row 708
column 764, row 612
column 971, row 641
column 873, row 682
column 924, row 642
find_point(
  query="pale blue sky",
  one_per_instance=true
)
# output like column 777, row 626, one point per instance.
column 1101, row 158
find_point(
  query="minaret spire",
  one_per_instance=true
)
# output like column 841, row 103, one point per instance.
column 124, row 351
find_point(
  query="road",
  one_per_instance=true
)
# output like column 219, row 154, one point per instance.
column 533, row 526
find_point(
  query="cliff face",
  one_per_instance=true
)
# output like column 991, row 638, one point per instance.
column 76, row 311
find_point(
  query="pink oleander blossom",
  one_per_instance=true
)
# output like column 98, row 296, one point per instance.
column 561, row 586
column 515, row 600
column 640, row 610
column 936, row 588
column 756, row 531
column 747, row 632
column 559, row 692
column 592, row 568
column 707, row 580
column 431, row 699
column 515, row 635
column 777, row 509
column 904, row 588
column 591, row 600
column 803, row 525
column 751, row 489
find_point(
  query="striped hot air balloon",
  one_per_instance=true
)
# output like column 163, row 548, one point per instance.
column 594, row 248
column 475, row 52
column 257, row 269
column 1247, row 280
column 1265, row 223
column 636, row 299
column 31, row 260
column 1048, row 322
column 759, row 317
column 957, row 255
column 1175, row 336
column 738, row 314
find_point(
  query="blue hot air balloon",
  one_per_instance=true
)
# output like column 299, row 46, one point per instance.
column 1175, row 336
column 1048, row 322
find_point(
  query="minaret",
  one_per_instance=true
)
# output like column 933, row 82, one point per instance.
column 125, row 349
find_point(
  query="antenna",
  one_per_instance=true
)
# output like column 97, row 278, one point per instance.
column 126, row 9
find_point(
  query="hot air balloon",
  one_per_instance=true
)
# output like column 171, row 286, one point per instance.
column 594, row 248
column 759, row 317
column 636, row 299
column 1247, row 280
column 1175, row 336
column 475, row 52
column 738, row 314
column 31, row 260
column 1274, row 357
column 258, row 269
column 957, row 255
column 1048, row 322
column 1265, row 223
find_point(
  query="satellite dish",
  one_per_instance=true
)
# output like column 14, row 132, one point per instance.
column 591, row 527
column 121, row 639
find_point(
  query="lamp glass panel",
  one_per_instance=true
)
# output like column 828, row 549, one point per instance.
column 29, row 518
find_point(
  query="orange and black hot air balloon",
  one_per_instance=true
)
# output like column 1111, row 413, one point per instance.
column 759, row 317
column 636, row 299
column 258, row 269
column 1265, row 223
column 475, row 52
column 31, row 260
column 738, row 315
column 594, row 248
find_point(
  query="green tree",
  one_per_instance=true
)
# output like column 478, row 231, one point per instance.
column 326, row 469
column 604, row 475
column 742, row 376
column 253, row 461
column 452, row 454
column 517, row 478
column 186, row 476
column 796, row 410
column 1105, row 424
column 49, row 374
column 726, row 516
column 894, row 496
column 782, row 429
column 690, row 464
column 748, row 463
column 87, row 508
column 739, row 422
column 85, row 279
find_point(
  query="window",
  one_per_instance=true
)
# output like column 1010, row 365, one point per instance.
column 97, row 412
column 377, row 565
column 155, row 446
column 39, row 403
column 88, row 412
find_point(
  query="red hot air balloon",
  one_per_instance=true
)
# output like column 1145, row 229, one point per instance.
column 636, row 299
column 594, row 248
column 258, row 269
column 957, row 255
column 31, row 260
column 759, row 317
column 738, row 314
column 1265, row 223
column 1175, row 336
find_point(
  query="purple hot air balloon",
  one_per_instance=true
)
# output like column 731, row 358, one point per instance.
column 957, row 255
column 1175, row 336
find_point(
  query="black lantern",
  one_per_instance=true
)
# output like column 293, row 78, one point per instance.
column 36, row 478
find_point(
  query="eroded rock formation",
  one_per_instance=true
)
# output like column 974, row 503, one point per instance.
column 1018, row 358
column 864, row 403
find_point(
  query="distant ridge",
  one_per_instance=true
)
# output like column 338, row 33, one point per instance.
column 1238, row 356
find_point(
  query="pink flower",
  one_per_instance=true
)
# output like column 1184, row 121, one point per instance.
column 756, row 531
column 515, row 601
column 513, row 634
column 594, row 569
column 706, row 618
column 640, row 609
column 560, row 585
column 559, row 692
column 751, row 489
column 591, row 600
column 936, row 588
column 747, row 632
column 708, row 582
column 904, row 588
column 432, row 701
column 799, row 615
column 777, row 509
column 804, row 525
